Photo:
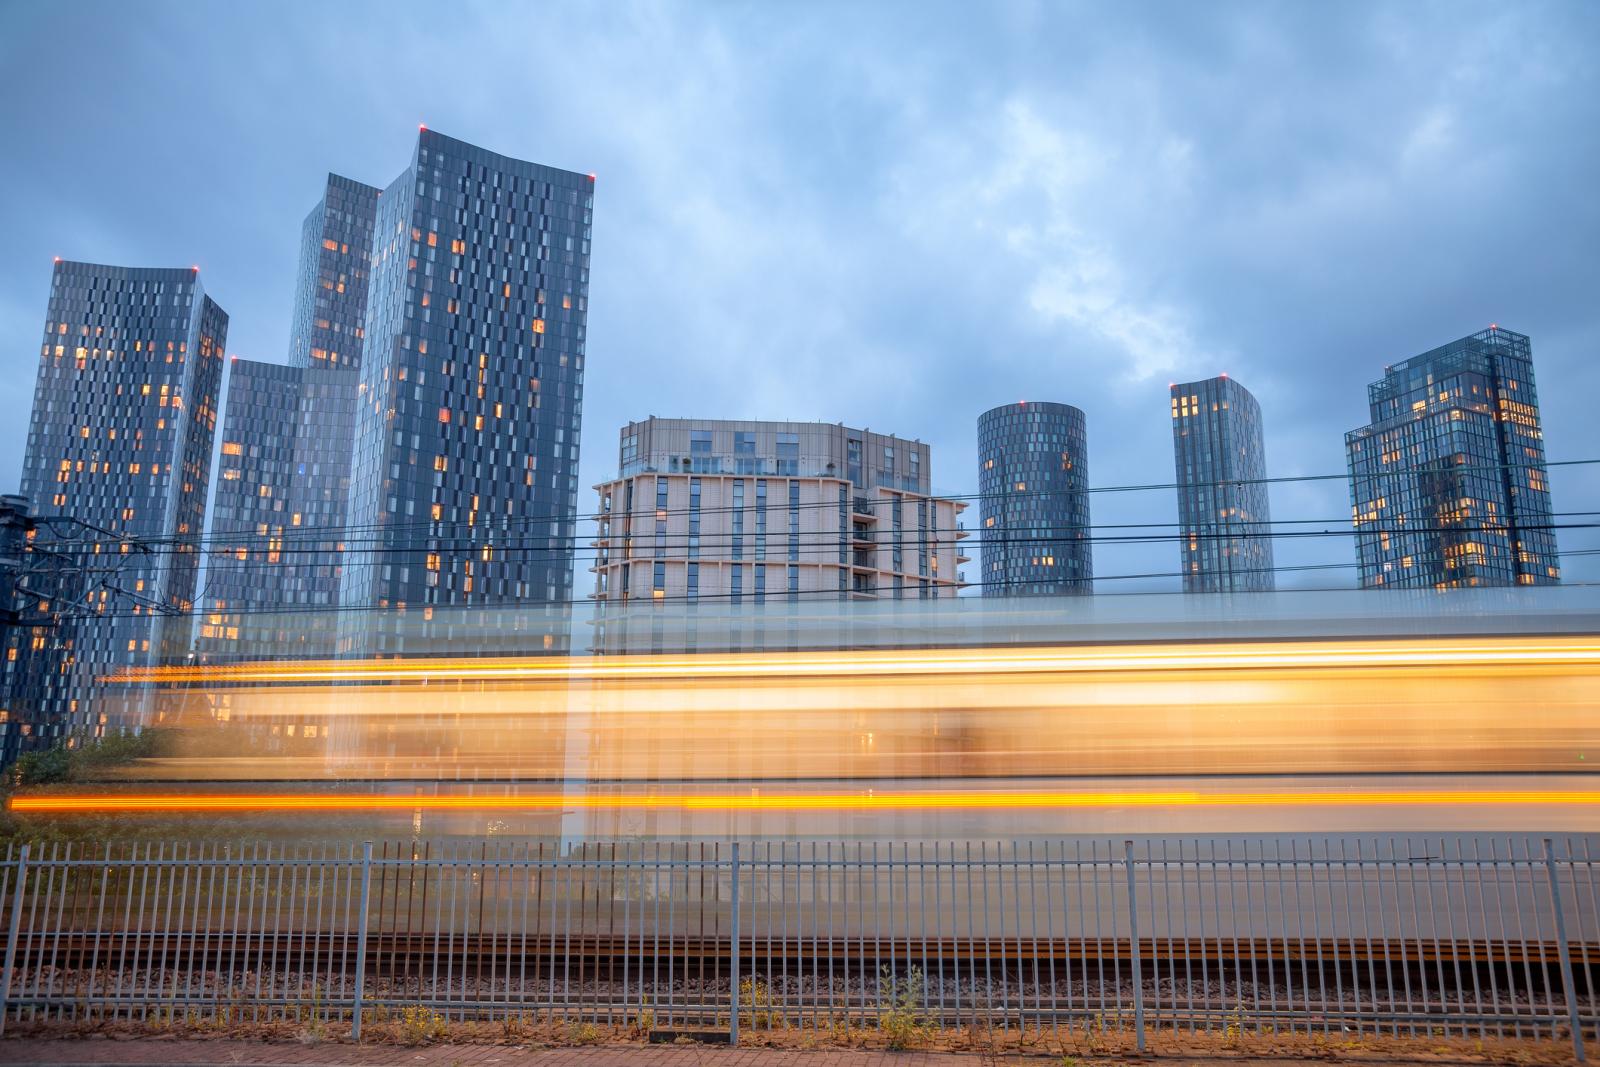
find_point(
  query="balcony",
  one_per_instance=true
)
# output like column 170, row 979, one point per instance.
column 863, row 510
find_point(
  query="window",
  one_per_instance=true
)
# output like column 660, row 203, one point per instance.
column 699, row 442
column 788, row 454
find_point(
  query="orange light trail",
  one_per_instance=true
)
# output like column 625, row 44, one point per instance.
column 1301, row 655
column 928, row 801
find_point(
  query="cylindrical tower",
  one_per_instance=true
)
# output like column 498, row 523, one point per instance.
column 1033, row 477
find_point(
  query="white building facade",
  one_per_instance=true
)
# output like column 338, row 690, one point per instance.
column 737, row 513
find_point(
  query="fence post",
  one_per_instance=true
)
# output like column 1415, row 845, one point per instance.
column 1563, row 953
column 1133, row 946
column 11, row 937
column 361, row 939
column 733, row 965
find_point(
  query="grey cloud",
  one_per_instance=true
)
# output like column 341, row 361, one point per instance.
column 894, row 215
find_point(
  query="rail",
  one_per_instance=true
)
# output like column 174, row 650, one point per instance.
column 1471, row 936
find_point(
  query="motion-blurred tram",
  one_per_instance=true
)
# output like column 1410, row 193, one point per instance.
column 1359, row 711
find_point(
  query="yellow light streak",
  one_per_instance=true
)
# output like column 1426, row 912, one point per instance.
column 1500, row 652
column 908, row 801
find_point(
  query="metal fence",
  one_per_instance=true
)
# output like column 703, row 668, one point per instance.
column 1347, row 936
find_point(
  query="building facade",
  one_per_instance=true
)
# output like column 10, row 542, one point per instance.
column 117, row 468
column 1033, row 482
column 1224, row 517
column 1448, row 483
column 733, row 513
column 464, row 473
column 272, row 585
column 251, row 513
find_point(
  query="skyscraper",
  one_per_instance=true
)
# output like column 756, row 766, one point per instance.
column 1448, row 484
column 1033, row 481
column 1224, row 520
column 464, row 479
column 124, row 412
column 288, row 434
column 250, row 511
column 733, row 512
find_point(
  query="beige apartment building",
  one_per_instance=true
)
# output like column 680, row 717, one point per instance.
column 732, row 513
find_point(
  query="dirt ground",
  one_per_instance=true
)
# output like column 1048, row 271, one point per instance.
column 430, row 1042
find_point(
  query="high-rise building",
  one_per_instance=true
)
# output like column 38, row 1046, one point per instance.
column 464, row 479
column 1033, row 482
column 1448, row 484
column 117, row 467
column 273, row 583
column 1224, row 520
column 733, row 513
column 245, row 570
column 17, row 654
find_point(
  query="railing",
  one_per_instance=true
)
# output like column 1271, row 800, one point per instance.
column 1457, row 936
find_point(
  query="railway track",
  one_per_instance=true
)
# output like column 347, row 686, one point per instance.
column 211, row 949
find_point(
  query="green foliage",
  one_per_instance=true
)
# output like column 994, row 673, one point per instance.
column 81, row 760
column 900, row 1018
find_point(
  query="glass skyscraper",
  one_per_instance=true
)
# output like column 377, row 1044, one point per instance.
column 117, row 466
column 1033, row 481
column 250, row 512
column 1448, row 484
column 288, row 436
column 464, row 483
column 1224, row 520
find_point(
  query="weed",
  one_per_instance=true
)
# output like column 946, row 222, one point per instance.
column 755, row 999
column 583, row 1034
column 421, row 1024
column 900, row 1017
column 1233, row 1030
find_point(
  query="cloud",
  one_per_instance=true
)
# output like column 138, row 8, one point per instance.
column 1052, row 193
column 892, row 215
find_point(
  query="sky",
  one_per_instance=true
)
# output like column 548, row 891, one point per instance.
column 889, row 215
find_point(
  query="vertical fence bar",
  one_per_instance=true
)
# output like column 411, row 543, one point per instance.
column 1133, row 947
column 1565, row 955
column 733, row 957
column 19, row 884
column 361, row 941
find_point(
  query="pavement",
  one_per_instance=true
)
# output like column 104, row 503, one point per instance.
column 158, row 1052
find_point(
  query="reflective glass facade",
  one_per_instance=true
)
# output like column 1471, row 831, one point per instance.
column 1448, row 484
column 1224, row 519
column 251, row 510
column 464, row 480
column 1033, row 481
column 117, row 467
column 288, row 437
